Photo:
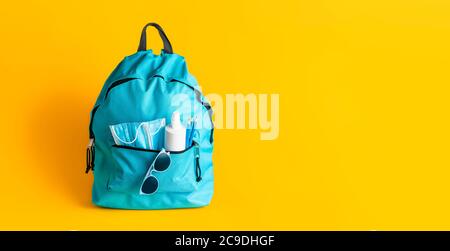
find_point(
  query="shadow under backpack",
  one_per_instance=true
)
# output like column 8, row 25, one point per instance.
column 143, row 92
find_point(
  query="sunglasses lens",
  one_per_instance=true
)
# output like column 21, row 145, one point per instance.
column 150, row 185
column 162, row 162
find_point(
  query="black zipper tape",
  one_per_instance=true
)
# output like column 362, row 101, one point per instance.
column 153, row 151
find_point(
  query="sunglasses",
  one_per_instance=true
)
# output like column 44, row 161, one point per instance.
column 160, row 164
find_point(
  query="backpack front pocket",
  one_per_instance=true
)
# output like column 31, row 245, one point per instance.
column 131, row 165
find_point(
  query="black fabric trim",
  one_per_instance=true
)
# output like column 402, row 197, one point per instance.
column 143, row 41
column 153, row 151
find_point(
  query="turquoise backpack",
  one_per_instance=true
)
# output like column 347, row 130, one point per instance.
column 142, row 92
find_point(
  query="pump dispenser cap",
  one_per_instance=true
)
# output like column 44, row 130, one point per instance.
column 176, row 121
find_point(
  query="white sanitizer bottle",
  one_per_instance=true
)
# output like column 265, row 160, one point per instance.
column 175, row 139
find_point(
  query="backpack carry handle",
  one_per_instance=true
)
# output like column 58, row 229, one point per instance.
column 143, row 42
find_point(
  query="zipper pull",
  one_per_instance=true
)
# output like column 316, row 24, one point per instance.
column 198, row 170
column 90, row 156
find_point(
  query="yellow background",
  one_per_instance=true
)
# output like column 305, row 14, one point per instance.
column 364, row 110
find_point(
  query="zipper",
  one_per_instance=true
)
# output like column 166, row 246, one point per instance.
column 125, row 80
column 117, row 83
column 154, row 151
column 90, row 156
column 91, row 132
column 198, row 170
column 208, row 107
column 198, row 94
column 94, row 110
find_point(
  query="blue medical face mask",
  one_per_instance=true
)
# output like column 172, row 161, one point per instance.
column 145, row 135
